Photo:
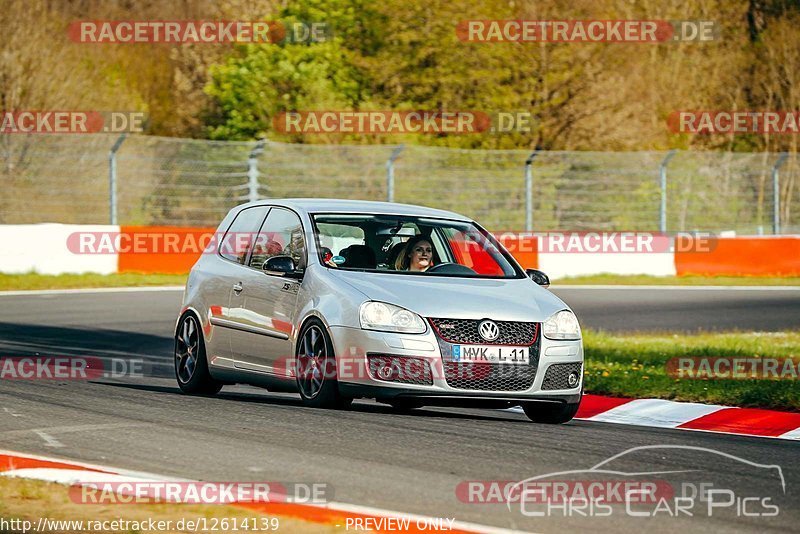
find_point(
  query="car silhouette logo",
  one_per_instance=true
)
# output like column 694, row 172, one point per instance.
column 488, row 330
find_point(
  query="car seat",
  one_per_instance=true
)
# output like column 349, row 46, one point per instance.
column 359, row 257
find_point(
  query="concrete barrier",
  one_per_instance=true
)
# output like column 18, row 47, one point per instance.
column 44, row 248
column 106, row 249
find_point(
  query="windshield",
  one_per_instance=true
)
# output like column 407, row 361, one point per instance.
column 410, row 246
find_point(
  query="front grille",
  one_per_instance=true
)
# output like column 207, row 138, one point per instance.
column 557, row 374
column 489, row 377
column 465, row 331
column 402, row 369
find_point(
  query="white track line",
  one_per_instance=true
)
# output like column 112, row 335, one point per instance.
column 792, row 434
column 97, row 467
column 656, row 413
column 89, row 290
column 49, row 440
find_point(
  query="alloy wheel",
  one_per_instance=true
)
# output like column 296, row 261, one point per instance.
column 187, row 346
column 312, row 359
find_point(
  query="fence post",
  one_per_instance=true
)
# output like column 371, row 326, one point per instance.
column 662, row 172
column 112, row 179
column 390, row 173
column 776, row 194
column 252, row 170
column 529, row 189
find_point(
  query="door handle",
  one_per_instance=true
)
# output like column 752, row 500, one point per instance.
column 237, row 287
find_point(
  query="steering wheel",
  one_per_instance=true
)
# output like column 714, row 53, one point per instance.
column 450, row 268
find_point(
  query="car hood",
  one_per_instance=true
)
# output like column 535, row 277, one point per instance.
column 458, row 298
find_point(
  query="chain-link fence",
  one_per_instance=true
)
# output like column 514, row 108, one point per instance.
column 144, row 180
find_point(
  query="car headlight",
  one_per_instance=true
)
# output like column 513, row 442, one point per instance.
column 562, row 325
column 390, row 318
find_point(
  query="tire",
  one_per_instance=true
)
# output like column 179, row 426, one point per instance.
column 316, row 369
column 191, row 365
column 405, row 405
column 551, row 414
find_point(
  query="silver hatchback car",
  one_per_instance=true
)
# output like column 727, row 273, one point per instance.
column 408, row 305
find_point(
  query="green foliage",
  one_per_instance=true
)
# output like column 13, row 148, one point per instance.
column 261, row 80
column 407, row 56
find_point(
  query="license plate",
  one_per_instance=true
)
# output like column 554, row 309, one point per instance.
column 490, row 354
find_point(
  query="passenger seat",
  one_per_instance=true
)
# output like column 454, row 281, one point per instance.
column 359, row 257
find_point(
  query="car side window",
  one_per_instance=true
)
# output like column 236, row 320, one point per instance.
column 281, row 235
column 240, row 236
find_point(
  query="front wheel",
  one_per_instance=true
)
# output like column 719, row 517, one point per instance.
column 550, row 413
column 316, row 369
column 191, row 365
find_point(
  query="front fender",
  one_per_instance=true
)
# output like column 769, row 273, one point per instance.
column 330, row 300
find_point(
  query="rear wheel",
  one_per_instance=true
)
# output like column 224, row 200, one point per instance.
column 550, row 413
column 191, row 366
column 316, row 369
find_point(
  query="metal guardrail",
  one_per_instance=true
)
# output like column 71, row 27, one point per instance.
column 166, row 181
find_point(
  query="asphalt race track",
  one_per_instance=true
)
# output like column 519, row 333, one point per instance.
column 369, row 455
column 685, row 309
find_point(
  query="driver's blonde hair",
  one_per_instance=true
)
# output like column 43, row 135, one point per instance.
column 403, row 261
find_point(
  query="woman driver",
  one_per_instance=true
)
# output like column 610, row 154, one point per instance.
column 417, row 256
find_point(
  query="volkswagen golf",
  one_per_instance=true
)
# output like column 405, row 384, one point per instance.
column 411, row 306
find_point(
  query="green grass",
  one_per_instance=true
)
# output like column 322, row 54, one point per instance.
column 72, row 281
column 635, row 366
column 614, row 279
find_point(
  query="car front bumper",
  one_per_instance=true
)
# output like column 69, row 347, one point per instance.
column 550, row 367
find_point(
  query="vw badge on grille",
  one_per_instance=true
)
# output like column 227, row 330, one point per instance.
column 488, row 330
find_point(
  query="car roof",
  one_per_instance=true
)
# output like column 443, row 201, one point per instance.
column 331, row 205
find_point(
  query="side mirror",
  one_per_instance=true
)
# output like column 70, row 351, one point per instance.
column 539, row 277
column 281, row 266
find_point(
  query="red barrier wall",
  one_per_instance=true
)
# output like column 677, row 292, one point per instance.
column 524, row 249
column 737, row 256
column 157, row 256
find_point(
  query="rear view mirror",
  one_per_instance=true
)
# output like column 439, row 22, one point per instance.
column 539, row 277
